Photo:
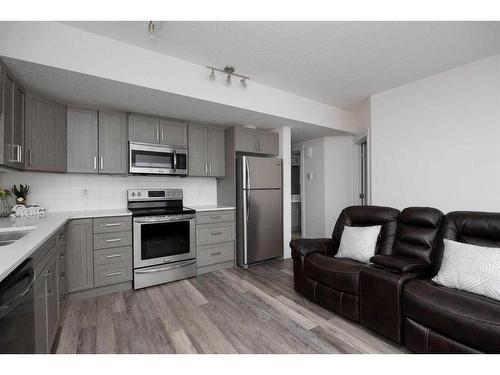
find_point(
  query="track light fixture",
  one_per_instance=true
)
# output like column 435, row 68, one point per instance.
column 229, row 72
column 151, row 29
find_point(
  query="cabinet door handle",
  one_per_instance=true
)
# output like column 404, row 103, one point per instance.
column 206, row 168
column 95, row 162
column 216, row 253
column 215, row 217
column 113, row 256
column 157, row 135
column 162, row 135
column 113, row 274
column 216, row 233
column 114, row 240
column 210, row 168
column 113, row 225
column 102, row 163
column 29, row 157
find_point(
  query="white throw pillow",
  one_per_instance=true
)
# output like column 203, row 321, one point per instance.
column 358, row 243
column 471, row 268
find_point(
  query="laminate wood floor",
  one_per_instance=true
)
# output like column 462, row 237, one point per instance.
column 230, row 311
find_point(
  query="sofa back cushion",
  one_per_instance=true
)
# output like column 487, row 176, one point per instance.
column 367, row 216
column 417, row 235
column 472, row 227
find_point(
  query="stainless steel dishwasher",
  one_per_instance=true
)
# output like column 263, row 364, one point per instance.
column 17, row 311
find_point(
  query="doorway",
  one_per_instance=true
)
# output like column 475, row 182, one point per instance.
column 296, row 195
column 362, row 194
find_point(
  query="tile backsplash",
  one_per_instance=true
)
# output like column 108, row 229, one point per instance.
column 70, row 192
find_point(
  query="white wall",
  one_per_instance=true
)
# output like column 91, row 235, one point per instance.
column 436, row 141
column 66, row 192
column 338, row 178
column 285, row 147
column 65, row 47
column 327, row 183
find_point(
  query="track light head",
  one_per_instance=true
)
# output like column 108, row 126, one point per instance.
column 228, row 78
column 212, row 75
column 152, row 30
column 243, row 82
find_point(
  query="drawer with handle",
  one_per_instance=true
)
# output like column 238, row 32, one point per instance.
column 107, row 274
column 214, row 216
column 213, row 254
column 113, row 256
column 112, row 224
column 207, row 234
column 109, row 240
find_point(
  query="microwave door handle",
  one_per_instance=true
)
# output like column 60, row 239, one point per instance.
column 175, row 160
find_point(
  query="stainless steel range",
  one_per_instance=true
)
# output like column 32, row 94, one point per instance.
column 164, row 237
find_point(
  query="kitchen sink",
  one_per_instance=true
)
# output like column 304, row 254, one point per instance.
column 11, row 236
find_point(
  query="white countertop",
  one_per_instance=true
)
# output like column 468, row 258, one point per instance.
column 14, row 254
column 212, row 207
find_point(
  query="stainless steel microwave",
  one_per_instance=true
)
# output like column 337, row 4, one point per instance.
column 147, row 158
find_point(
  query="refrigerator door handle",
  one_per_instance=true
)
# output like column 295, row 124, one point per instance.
column 247, row 174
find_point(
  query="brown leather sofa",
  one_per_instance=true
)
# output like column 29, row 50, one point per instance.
column 444, row 320
column 333, row 282
column 414, row 311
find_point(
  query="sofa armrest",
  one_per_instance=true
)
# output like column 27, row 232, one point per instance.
column 306, row 246
column 401, row 264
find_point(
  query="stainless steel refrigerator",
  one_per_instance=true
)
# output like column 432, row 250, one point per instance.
column 259, row 209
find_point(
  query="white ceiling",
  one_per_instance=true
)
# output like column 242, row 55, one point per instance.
column 338, row 63
column 87, row 91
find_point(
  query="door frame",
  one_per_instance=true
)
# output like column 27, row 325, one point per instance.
column 357, row 141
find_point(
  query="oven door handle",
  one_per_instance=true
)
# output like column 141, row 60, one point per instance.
column 175, row 161
column 165, row 268
column 167, row 220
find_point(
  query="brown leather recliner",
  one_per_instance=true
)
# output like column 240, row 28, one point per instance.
column 381, row 284
column 333, row 282
column 443, row 320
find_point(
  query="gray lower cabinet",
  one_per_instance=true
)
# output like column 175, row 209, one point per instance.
column 113, row 136
column 215, row 238
column 45, row 134
column 97, row 141
column 256, row 141
column 80, row 255
column 206, row 151
column 82, row 143
column 99, row 252
column 12, row 119
column 49, row 290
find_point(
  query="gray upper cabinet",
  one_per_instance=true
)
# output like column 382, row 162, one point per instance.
column 216, row 152
column 268, row 143
column 206, row 151
column 80, row 255
column 97, row 142
column 197, row 157
column 45, row 135
column 245, row 140
column 112, row 143
column 173, row 133
column 144, row 129
column 82, row 141
column 13, row 119
column 256, row 141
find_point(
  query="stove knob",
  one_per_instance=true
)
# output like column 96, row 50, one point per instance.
column 138, row 194
column 133, row 194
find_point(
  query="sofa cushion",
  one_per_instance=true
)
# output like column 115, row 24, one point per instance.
column 358, row 243
column 366, row 216
column 400, row 264
column 418, row 229
column 468, row 318
column 339, row 274
column 472, row 268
